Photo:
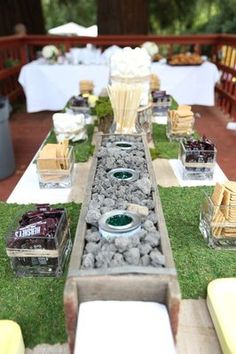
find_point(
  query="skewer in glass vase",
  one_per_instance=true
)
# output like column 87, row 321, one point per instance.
column 125, row 100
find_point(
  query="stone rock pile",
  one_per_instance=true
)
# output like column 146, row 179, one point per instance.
column 144, row 247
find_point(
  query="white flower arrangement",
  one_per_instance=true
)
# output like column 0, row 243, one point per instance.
column 151, row 48
column 50, row 52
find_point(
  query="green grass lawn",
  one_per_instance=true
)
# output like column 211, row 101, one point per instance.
column 36, row 303
column 82, row 149
column 196, row 263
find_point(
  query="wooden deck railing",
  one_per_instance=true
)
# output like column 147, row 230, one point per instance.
column 16, row 51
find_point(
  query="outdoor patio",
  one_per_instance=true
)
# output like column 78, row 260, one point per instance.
column 30, row 129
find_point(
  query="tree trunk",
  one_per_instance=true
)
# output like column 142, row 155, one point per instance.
column 27, row 12
column 122, row 16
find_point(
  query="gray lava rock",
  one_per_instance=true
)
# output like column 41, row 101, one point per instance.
column 92, row 247
column 88, row 261
column 123, row 243
column 153, row 238
column 145, row 260
column 118, row 260
column 149, row 203
column 144, row 185
column 94, row 204
column 149, row 226
column 132, row 256
column 135, row 241
column 108, row 202
column 157, row 258
column 142, row 234
column 153, row 218
column 109, row 247
column 103, row 259
column 102, row 152
column 93, row 236
column 93, row 216
column 145, row 249
column 104, row 210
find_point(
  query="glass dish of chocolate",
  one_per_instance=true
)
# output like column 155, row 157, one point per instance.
column 79, row 104
column 198, row 157
column 39, row 242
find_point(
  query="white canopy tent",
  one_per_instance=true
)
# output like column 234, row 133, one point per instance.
column 72, row 28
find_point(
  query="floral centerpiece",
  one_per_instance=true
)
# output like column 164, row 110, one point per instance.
column 151, row 48
column 50, row 53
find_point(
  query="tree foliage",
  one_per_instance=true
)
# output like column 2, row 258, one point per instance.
column 58, row 12
column 165, row 16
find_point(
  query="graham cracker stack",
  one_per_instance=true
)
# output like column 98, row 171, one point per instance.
column 86, row 86
column 54, row 157
column 182, row 120
column 224, row 215
column 154, row 82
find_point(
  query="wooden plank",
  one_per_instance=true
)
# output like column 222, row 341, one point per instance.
column 196, row 333
column 122, row 283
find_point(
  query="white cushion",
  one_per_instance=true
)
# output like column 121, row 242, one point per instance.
column 123, row 327
column 221, row 301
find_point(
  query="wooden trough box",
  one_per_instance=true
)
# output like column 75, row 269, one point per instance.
column 125, row 282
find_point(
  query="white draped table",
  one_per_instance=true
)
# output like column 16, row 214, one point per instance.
column 49, row 87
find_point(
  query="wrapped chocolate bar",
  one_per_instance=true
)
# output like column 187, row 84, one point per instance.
column 198, row 157
column 161, row 103
column 39, row 242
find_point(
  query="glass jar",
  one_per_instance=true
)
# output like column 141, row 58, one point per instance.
column 56, row 172
column 40, row 244
column 218, row 231
column 197, row 164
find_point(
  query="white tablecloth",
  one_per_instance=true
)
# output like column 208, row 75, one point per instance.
column 189, row 84
column 49, row 87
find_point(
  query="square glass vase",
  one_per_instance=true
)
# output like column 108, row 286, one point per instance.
column 174, row 134
column 161, row 106
column 39, row 255
column 217, row 228
column 56, row 172
column 197, row 164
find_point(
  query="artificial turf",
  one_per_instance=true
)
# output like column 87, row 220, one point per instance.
column 35, row 303
column 82, row 149
column 164, row 148
column 196, row 263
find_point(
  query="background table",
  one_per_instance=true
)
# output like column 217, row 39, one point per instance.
column 49, row 87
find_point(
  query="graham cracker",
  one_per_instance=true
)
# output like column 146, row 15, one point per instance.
column 184, row 106
column 218, row 194
column 231, row 185
column 226, row 203
column 218, row 218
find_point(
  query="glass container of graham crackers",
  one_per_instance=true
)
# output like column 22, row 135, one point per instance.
column 218, row 217
column 180, row 123
column 55, row 163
